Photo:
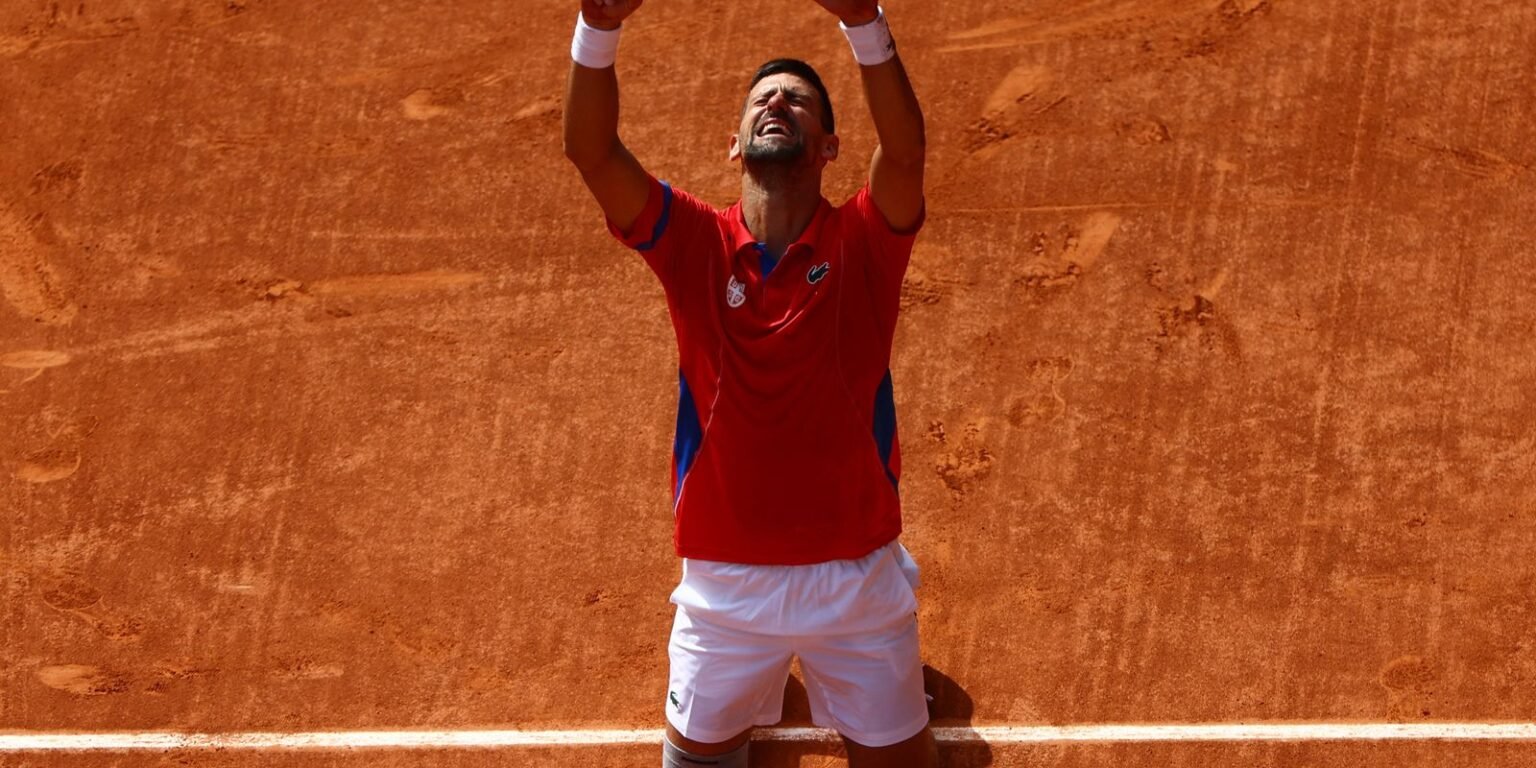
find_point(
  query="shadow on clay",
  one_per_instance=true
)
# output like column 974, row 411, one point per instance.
column 951, row 707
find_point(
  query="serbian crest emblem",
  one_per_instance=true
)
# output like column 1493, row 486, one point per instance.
column 735, row 293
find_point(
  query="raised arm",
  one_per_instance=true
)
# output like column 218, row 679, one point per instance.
column 896, row 173
column 611, row 173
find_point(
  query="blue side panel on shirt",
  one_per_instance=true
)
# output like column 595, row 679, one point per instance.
column 685, row 446
column 661, row 221
column 885, row 424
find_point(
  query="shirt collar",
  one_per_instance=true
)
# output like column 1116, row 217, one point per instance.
column 741, row 237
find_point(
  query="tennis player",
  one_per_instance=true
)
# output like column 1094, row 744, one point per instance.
column 786, row 461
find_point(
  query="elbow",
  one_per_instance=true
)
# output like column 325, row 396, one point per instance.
column 908, row 149
column 906, row 155
column 576, row 144
column 917, row 147
column 580, row 156
column 586, row 155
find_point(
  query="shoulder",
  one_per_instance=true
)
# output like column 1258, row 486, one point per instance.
column 861, row 208
column 667, row 210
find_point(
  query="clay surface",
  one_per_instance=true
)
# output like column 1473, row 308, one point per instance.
column 1079, row 756
column 326, row 401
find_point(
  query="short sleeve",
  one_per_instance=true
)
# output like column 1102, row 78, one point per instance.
column 890, row 250
column 670, row 221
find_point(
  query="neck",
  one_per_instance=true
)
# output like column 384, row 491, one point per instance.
column 778, row 203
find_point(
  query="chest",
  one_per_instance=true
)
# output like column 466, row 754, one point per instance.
column 756, row 295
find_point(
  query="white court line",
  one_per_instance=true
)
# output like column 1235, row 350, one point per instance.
column 14, row 741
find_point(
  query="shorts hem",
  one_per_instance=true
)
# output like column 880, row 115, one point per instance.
column 885, row 738
column 706, row 736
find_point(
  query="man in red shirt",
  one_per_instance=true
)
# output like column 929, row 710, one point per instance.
column 785, row 463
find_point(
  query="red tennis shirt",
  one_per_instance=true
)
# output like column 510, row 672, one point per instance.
column 786, row 450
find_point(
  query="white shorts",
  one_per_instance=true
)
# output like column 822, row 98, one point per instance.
column 852, row 623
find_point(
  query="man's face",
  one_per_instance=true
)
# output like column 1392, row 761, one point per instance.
column 781, row 122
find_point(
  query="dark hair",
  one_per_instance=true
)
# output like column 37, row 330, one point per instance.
column 803, row 71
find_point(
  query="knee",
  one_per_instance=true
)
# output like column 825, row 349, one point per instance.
column 919, row 751
column 674, row 756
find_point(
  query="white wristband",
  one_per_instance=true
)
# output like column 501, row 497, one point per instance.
column 592, row 47
column 872, row 43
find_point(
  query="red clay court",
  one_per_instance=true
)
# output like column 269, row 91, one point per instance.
column 328, row 409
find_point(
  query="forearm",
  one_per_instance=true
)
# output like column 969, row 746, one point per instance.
column 591, row 115
column 896, row 172
column 897, row 115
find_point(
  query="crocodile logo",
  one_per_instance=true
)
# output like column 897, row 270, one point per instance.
column 672, row 696
column 818, row 272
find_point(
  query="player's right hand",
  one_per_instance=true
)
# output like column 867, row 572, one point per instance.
column 607, row 14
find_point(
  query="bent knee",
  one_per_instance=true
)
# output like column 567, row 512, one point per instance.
column 919, row 751
column 706, row 748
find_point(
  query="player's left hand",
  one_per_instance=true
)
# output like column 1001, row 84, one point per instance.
column 852, row 12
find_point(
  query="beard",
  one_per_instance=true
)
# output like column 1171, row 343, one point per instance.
column 774, row 150
column 760, row 149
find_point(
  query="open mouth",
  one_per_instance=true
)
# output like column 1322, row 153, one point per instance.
column 775, row 126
